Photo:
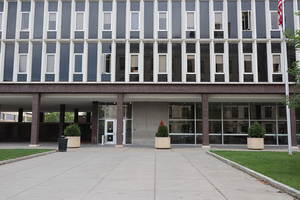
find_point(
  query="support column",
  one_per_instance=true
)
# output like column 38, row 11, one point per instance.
column 42, row 117
column 120, row 120
column 76, row 115
column 95, row 122
column 293, row 128
column 88, row 117
column 205, row 121
column 20, row 116
column 35, row 124
column 62, row 119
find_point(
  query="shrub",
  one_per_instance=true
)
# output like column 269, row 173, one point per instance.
column 162, row 130
column 72, row 130
column 256, row 131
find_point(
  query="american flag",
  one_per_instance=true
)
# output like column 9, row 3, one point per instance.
column 280, row 2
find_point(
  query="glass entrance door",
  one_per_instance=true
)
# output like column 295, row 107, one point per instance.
column 110, row 131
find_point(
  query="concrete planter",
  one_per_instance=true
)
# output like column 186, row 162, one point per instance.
column 162, row 142
column 73, row 141
column 255, row 143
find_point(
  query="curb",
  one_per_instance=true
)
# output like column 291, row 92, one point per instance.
column 4, row 162
column 272, row 182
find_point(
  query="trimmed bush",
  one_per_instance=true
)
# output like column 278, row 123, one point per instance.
column 162, row 130
column 72, row 130
column 256, row 131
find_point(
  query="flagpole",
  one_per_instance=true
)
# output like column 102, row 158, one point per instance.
column 288, row 115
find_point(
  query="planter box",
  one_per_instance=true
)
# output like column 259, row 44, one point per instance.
column 73, row 141
column 255, row 143
column 162, row 142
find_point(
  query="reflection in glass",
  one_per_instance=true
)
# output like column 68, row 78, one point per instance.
column 181, row 127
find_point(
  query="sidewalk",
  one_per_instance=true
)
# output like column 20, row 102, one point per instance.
column 97, row 172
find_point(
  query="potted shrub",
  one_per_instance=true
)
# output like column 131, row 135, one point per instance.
column 73, row 133
column 298, row 139
column 162, row 139
column 256, row 135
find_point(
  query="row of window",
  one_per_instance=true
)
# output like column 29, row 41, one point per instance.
column 225, row 21
column 172, row 62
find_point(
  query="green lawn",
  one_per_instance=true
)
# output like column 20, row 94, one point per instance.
column 279, row 166
column 6, row 154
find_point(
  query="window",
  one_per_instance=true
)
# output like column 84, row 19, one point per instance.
column 135, row 21
column 162, row 65
column 219, row 55
column 276, row 64
column 52, row 19
column 134, row 63
column 190, row 21
column 274, row 20
column 1, row 14
column 190, row 63
column 218, row 21
column 246, row 20
column 106, row 65
column 248, row 63
column 25, row 21
column 22, row 63
column 219, row 64
column 50, row 64
column 162, row 23
column 276, row 51
column 106, row 21
column 78, row 58
column 79, row 26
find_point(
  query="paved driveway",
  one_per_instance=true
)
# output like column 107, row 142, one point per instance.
column 130, row 173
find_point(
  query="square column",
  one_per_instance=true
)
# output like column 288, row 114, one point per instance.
column 95, row 122
column 20, row 116
column 76, row 115
column 61, row 119
column 205, row 121
column 35, row 124
column 120, row 120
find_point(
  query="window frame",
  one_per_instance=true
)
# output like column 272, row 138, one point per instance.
column 138, row 70
column 249, row 22
column 26, row 67
column 162, row 54
column 82, row 61
column 55, row 21
column 46, row 68
column 248, row 54
column 280, row 66
column 103, row 28
column 83, row 20
column 222, row 29
column 27, row 12
column 1, row 21
column 195, row 57
column 271, row 28
column 186, row 21
column 104, row 63
column 139, row 22
column 159, row 12
column 223, row 57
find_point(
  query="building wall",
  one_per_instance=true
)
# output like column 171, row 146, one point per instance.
column 146, row 119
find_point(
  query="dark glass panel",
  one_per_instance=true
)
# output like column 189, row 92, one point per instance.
column 176, row 62
column 190, row 6
column 190, row 48
column 80, row 5
column 248, row 78
column 182, row 139
column 92, row 62
column 162, row 34
column 121, row 19
column 134, row 48
column 232, row 19
column 79, row 34
column 128, row 131
column 215, row 127
column 260, row 19
column 51, row 35
column 77, row 77
column 235, row 139
column 134, row 6
column 66, row 20
column 134, row 77
column 190, row 34
column 78, row 47
column 247, row 34
column 38, row 20
column 235, row 111
column 218, row 34
column 148, row 18
column 23, row 47
column 275, row 34
column 24, row 35
column 205, row 62
column 11, row 20
column 148, row 62
column 52, row 6
column 199, row 138
column 218, row 5
column 262, row 111
column 181, row 111
column 176, row 19
column 93, row 21
column 101, row 130
column 235, row 127
column 162, row 77
column 162, row 6
column 191, row 78
column 1, row 6
column 64, row 62
column 273, row 5
column 204, row 19
column 49, row 77
column 105, row 77
column 107, row 6
column 233, row 62
column 181, row 127
column 276, row 47
column 22, row 77
column 106, row 34
column 9, row 61
column 51, row 48
column 262, row 62
column 215, row 139
column 162, row 48
column 106, row 47
column 219, row 77
column 289, row 14
column 277, row 77
column 214, row 111
column 247, row 47
column 120, row 62
column 199, row 111
column 290, row 59
column 25, row 6
column 219, row 47
column 246, row 5
column 36, row 62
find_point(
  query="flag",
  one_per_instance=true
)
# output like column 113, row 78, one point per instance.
column 280, row 2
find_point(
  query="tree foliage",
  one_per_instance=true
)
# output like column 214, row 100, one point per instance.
column 55, row 116
column 256, row 131
column 162, row 130
column 72, row 130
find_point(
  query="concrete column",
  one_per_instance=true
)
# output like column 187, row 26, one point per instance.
column 293, row 128
column 35, row 124
column 205, row 121
column 42, row 117
column 88, row 117
column 76, row 115
column 20, row 117
column 62, row 119
column 95, row 122
column 120, row 120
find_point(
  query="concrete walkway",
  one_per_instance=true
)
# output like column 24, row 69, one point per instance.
column 97, row 172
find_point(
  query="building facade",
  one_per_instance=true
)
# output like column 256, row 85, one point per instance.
column 208, row 69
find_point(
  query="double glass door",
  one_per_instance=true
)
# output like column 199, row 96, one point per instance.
column 111, row 131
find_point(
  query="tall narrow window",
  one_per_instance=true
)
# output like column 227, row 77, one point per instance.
column 1, row 17
column 162, row 19
column 246, row 20
column 247, row 63
column 50, row 62
column 162, row 59
column 134, row 19
column 52, row 20
column 276, row 61
column 25, row 16
column 79, row 19
column 276, row 64
column 190, row 63
column 52, row 25
column 219, row 64
column 78, row 61
column 190, row 23
column 190, row 19
column 162, row 23
column 162, row 62
column 248, row 68
column 218, row 19
column 134, row 62
column 274, row 20
column 107, row 19
column 106, row 62
column 23, row 62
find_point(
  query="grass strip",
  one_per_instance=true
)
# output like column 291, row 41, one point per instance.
column 6, row 154
column 279, row 166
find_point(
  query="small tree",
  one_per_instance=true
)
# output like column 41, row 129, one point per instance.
column 72, row 130
column 256, row 131
column 162, row 130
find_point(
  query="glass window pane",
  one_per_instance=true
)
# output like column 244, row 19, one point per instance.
column 134, row 21
column 78, row 63
column 107, row 21
column 79, row 21
column 181, row 111
column 162, row 21
column 191, row 63
column 0, row 21
column 22, row 63
column 276, row 64
column 190, row 21
column 219, row 63
column 134, row 63
column 248, row 63
column 106, row 63
column 218, row 21
column 25, row 22
column 52, row 21
column 162, row 63
column 50, row 63
column 274, row 20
